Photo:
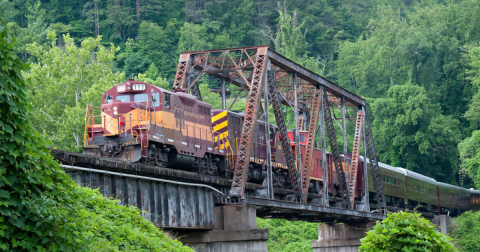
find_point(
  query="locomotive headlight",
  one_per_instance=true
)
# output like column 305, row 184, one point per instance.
column 115, row 112
column 114, row 108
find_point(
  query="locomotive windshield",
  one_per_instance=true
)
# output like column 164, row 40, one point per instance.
column 140, row 97
column 123, row 98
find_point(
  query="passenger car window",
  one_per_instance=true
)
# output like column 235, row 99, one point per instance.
column 123, row 98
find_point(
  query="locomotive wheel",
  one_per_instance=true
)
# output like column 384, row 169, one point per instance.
column 161, row 158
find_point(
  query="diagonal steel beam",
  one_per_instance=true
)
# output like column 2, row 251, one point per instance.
column 332, row 138
column 355, row 157
column 250, row 121
column 282, row 128
column 182, row 69
column 372, row 156
column 312, row 130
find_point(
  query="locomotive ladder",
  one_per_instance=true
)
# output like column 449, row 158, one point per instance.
column 312, row 130
column 372, row 155
column 332, row 138
column 353, row 167
column 287, row 149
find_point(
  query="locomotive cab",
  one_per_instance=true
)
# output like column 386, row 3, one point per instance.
column 117, row 128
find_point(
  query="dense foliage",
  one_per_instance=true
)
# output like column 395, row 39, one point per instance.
column 465, row 231
column 41, row 208
column 403, row 231
column 289, row 236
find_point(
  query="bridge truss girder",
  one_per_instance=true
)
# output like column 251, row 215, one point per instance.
column 295, row 87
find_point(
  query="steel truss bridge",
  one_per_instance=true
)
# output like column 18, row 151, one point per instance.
column 269, row 80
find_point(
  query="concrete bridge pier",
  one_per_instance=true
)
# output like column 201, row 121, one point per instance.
column 341, row 237
column 235, row 229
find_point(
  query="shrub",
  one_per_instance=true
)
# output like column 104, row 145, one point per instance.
column 466, row 231
column 403, row 231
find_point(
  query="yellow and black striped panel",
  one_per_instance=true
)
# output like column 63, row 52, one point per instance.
column 220, row 130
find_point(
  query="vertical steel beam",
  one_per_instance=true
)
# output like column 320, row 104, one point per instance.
column 366, row 199
column 196, row 91
column 344, row 135
column 298, row 159
column 224, row 101
column 324, row 153
column 374, row 169
column 267, row 131
column 182, row 68
column 332, row 138
column 250, row 121
column 357, row 141
column 282, row 128
column 312, row 132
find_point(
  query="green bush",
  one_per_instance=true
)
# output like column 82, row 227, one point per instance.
column 466, row 231
column 289, row 236
column 41, row 208
column 403, row 231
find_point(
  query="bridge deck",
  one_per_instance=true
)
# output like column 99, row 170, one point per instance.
column 266, row 208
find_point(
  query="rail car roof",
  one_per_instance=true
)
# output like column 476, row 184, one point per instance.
column 388, row 167
column 447, row 186
column 421, row 177
column 463, row 190
column 474, row 191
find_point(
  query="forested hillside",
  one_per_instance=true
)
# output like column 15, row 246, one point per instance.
column 416, row 62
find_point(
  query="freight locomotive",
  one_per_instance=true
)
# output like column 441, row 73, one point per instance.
column 139, row 122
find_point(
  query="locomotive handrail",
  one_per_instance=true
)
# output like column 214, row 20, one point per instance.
column 89, row 122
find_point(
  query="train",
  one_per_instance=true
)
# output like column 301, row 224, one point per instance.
column 140, row 122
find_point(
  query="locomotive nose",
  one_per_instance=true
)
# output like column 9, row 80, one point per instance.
column 116, row 109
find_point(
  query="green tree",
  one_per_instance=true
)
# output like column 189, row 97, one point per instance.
column 66, row 80
column 155, row 44
column 404, row 231
column 289, row 236
column 411, row 132
column 209, row 97
column 41, row 208
column 469, row 148
column 152, row 76
column 465, row 230
column 193, row 37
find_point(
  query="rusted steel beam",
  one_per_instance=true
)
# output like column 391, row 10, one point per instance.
column 250, row 121
column 345, row 144
column 332, row 138
column 236, row 65
column 182, row 68
column 355, row 157
column 366, row 194
column 312, row 130
column 375, row 170
column 282, row 128
column 314, row 78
